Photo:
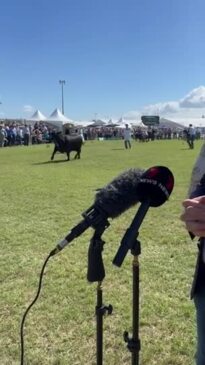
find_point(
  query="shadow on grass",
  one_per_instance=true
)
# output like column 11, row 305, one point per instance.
column 117, row 149
column 50, row 162
column 184, row 149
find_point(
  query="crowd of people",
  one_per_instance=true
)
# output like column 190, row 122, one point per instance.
column 15, row 134
column 12, row 134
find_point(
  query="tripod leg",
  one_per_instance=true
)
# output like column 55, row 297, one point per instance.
column 135, row 319
column 101, row 310
column 99, row 335
column 133, row 343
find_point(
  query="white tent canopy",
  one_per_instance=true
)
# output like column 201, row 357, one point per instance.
column 130, row 122
column 82, row 123
column 57, row 116
column 98, row 123
column 196, row 122
column 58, row 119
column 122, row 123
column 167, row 123
column 112, row 122
column 37, row 116
column 138, row 123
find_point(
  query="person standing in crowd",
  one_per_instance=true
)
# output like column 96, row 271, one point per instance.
column 82, row 135
column 2, row 136
column 127, row 133
column 194, row 219
column 26, row 133
column 191, row 136
column 19, row 135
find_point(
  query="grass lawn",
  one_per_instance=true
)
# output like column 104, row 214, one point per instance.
column 40, row 202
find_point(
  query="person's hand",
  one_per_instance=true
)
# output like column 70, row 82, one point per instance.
column 194, row 215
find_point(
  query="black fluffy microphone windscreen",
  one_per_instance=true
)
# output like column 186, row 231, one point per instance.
column 129, row 188
column 111, row 201
column 120, row 194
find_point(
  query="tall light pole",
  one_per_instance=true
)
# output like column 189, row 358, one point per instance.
column 62, row 83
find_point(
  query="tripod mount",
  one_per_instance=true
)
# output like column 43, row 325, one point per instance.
column 96, row 273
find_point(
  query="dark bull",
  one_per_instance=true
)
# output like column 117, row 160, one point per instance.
column 66, row 144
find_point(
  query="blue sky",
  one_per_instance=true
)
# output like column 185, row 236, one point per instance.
column 118, row 57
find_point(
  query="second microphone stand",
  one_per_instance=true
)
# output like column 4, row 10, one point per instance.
column 96, row 273
column 133, row 343
column 130, row 241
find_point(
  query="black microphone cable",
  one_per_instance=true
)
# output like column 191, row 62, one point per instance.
column 132, row 186
column 110, row 202
column 30, row 306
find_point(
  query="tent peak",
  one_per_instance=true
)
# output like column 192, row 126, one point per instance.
column 38, row 116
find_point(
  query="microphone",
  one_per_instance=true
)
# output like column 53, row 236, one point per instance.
column 110, row 201
column 154, row 188
column 126, row 190
column 156, row 185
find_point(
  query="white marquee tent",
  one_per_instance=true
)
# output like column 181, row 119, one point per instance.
column 167, row 123
column 131, row 123
column 138, row 123
column 58, row 120
column 196, row 122
column 37, row 116
column 82, row 123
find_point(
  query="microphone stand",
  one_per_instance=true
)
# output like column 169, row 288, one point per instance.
column 96, row 273
column 130, row 241
column 133, row 343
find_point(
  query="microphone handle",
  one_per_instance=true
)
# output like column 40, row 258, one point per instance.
column 93, row 217
column 74, row 233
column 129, row 239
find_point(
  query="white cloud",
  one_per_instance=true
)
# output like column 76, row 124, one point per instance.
column 191, row 105
column 171, row 107
column 28, row 109
column 162, row 108
column 194, row 99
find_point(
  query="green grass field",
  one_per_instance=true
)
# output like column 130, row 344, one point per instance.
column 40, row 202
